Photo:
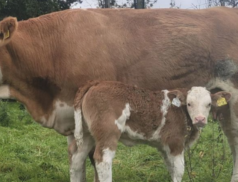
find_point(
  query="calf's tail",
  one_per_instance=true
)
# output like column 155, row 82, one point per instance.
column 82, row 91
column 78, row 132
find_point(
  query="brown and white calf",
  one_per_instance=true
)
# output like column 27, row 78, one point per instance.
column 108, row 112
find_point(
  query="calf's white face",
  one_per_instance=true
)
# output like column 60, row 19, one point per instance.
column 199, row 104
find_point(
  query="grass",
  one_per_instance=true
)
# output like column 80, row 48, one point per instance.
column 29, row 152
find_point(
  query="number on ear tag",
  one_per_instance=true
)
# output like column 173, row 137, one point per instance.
column 221, row 102
column 176, row 102
column 6, row 35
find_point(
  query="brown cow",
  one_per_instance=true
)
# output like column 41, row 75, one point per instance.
column 106, row 112
column 44, row 60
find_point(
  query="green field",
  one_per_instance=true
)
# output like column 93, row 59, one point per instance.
column 29, row 152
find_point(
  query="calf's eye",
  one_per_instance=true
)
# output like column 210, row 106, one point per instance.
column 189, row 104
column 209, row 105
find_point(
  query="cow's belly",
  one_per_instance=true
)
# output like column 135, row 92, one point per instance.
column 64, row 121
column 61, row 119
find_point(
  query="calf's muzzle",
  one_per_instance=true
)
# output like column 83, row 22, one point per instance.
column 200, row 121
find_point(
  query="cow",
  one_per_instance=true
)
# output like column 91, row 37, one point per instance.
column 44, row 60
column 108, row 112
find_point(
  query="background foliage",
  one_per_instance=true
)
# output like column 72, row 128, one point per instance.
column 24, row 9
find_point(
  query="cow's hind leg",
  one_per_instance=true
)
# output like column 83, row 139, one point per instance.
column 229, row 118
column 229, row 123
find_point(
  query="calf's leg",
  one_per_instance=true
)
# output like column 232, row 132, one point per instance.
column 106, row 135
column 175, row 165
column 103, row 159
column 105, row 152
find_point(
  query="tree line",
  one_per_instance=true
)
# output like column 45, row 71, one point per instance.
column 24, row 9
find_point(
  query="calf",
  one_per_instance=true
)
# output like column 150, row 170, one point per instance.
column 108, row 112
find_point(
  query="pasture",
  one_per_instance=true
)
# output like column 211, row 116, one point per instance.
column 29, row 152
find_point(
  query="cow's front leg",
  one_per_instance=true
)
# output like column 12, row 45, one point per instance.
column 72, row 150
column 90, row 155
column 78, row 155
column 175, row 165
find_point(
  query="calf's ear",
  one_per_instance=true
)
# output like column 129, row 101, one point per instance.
column 8, row 27
column 177, row 98
column 220, row 98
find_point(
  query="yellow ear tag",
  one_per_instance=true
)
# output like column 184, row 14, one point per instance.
column 6, row 35
column 221, row 102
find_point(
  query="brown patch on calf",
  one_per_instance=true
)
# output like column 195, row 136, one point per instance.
column 147, row 110
column 175, row 131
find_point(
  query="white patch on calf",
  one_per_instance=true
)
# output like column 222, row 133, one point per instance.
column 165, row 103
column 175, row 164
column 133, row 134
column 164, row 109
column 121, row 124
column 104, row 168
column 4, row 92
column 78, row 132
column 178, row 166
column 121, row 121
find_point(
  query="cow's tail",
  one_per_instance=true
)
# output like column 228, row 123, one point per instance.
column 78, row 115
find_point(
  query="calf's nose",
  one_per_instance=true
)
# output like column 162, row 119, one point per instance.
column 200, row 118
column 200, row 121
